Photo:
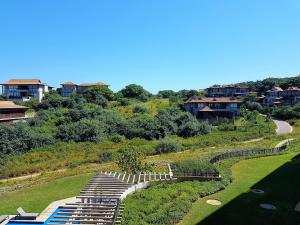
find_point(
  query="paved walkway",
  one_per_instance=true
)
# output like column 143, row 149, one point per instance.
column 283, row 127
column 284, row 142
column 52, row 207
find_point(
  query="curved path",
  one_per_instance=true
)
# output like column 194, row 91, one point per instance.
column 283, row 127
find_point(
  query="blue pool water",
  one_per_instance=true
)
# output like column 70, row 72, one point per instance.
column 55, row 213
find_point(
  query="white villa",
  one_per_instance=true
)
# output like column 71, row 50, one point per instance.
column 25, row 89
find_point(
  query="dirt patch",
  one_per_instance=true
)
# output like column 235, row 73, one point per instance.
column 214, row 202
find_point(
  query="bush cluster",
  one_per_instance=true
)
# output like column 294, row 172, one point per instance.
column 194, row 167
column 167, row 146
column 21, row 138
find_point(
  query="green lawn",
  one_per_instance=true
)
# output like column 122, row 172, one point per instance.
column 276, row 175
column 37, row 198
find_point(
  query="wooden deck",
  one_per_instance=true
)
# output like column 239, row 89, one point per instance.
column 99, row 202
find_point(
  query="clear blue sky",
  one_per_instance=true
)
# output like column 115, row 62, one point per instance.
column 160, row 44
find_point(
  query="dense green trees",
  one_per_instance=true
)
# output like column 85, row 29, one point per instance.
column 264, row 85
column 130, row 161
column 85, row 118
column 83, row 130
column 143, row 126
column 21, row 138
column 287, row 112
column 99, row 95
column 184, row 124
column 182, row 94
column 135, row 91
column 166, row 94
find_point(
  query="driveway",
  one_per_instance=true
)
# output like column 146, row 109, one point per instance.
column 283, row 127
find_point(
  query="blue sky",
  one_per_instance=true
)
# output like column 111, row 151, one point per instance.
column 160, row 44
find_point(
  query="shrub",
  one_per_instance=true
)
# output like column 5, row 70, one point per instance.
column 124, row 101
column 21, row 138
column 166, row 146
column 193, row 128
column 140, row 109
column 167, row 118
column 105, row 156
column 83, row 130
column 98, row 95
column 166, row 94
column 130, row 161
column 227, row 127
column 143, row 126
column 253, row 106
column 117, row 138
column 194, row 167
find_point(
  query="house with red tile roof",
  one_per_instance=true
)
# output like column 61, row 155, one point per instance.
column 291, row 95
column 273, row 96
column 10, row 112
column 277, row 96
column 213, row 107
column 25, row 89
column 68, row 88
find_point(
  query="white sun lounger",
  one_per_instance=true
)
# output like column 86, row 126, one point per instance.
column 22, row 214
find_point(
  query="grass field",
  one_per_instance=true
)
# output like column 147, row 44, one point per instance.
column 38, row 197
column 276, row 175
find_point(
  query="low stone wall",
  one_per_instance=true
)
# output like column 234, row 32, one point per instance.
column 134, row 188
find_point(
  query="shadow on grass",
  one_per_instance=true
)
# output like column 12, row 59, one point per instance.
column 282, row 189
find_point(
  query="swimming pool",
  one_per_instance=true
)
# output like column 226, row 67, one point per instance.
column 58, row 212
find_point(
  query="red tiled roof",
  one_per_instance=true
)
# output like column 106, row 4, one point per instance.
column 68, row 83
column 214, row 100
column 10, row 105
column 23, row 81
column 93, row 84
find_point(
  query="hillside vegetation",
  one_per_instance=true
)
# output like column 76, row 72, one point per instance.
column 71, row 131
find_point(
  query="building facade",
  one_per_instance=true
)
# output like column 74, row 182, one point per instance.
column 277, row 96
column 227, row 91
column 69, row 88
column 291, row 95
column 10, row 112
column 25, row 89
column 214, row 107
column 273, row 96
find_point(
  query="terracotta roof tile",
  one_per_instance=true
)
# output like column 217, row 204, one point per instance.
column 23, row 81
column 10, row 105
column 214, row 100
column 92, row 84
column 68, row 83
